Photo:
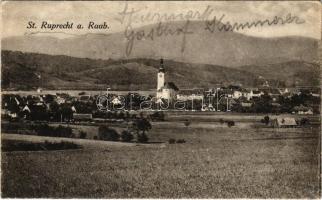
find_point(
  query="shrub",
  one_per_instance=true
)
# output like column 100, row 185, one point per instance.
column 26, row 132
column 12, row 127
column 106, row 133
column 143, row 138
column 304, row 122
column 60, row 146
column 142, row 125
column 13, row 145
column 62, row 131
column 181, row 141
column 187, row 123
column 265, row 120
column 230, row 123
column 42, row 129
column 82, row 134
column 127, row 136
column 95, row 137
column 221, row 121
column 46, row 130
column 157, row 116
column 171, row 141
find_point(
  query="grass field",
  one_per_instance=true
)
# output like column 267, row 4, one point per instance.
column 215, row 162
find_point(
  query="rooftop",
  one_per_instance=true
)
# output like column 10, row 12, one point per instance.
column 170, row 85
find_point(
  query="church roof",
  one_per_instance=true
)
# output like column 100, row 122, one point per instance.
column 170, row 85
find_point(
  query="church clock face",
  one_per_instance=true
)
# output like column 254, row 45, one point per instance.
column 160, row 75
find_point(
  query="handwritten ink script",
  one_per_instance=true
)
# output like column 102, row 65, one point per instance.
column 158, row 31
column 220, row 25
column 128, row 17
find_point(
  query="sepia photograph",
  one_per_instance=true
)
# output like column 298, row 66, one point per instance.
column 161, row 99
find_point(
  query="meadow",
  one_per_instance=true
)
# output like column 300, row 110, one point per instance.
column 215, row 162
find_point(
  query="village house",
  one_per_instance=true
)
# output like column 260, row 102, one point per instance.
column 60, row 100
column 294, row 91
column 82, row 117
column 11, row 114
column 315, row 92
column 302, row 110
column 192, row 94
column 246, row 104
column 283, row 91
column 256, row 93
column 116, row 101
column 273, row 92
column 39, row 90
column 237, row 94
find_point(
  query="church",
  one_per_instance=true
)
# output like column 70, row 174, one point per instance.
column 165, row 90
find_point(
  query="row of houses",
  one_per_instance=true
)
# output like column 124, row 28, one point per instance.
column 169, row 90
column 247, row 93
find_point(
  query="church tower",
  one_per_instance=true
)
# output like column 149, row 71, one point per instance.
column 161, row 75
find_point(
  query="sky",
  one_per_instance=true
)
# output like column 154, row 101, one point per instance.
column 17, row 14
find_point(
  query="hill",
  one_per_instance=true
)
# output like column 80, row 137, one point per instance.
column 293, row 73
column 30, row 70
column 229, row 49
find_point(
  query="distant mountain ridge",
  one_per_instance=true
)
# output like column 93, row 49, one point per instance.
column 228, row 49
column 292, row 73
column 30, row 70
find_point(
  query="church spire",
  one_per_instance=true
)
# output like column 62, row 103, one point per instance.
column 161, row 69
column 160, row 76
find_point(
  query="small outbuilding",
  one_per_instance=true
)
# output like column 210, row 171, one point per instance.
column 284, row 122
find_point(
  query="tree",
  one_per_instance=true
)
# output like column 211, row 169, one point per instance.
column 83, row 107
column 39, row 113
column 66, row 112
column 143, row 138
column 263, row 104
column 82, row 134
column 107, row 133
column 230, row 123
column 157, row 116
column 127, row 136
column 53, row 106
column 12, row 105
column 49, row 98
column 142, row 125
column 187, row 123
column 304, row 122
column 266, row 120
